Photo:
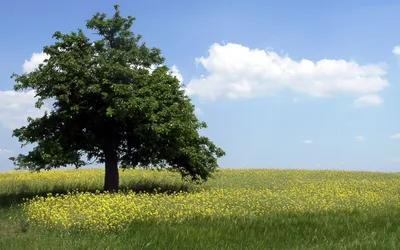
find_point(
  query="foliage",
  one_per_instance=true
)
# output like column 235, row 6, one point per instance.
column 110, row 106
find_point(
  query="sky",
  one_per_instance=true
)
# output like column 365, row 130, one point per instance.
column 281, row 84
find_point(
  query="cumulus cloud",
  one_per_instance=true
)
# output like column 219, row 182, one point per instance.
column 15, row 107
column 308, row 142
column 396, row 50
column 175, row 72
column 395, row 137
column 360, row 138
column 236, row 71
column 36, row 59
column 367, row 101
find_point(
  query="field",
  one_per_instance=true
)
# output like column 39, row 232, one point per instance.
column 236, row 209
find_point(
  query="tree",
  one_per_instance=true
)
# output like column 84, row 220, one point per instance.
column 116, row 103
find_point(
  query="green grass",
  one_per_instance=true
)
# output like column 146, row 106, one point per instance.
column 276, row 231
column 357, row 229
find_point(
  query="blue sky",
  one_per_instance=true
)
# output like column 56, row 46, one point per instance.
column 281, row 84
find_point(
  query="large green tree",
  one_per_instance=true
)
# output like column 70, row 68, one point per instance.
column 110, row 107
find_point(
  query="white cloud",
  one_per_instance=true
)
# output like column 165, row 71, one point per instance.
column 360, row 138
column 15, row 107
column 396, row 50
column 150, row 69
column 395, row 137
column 308, row 142
column 5, row 151
column 237, row 71
column 198, row 111
column 367, row 101
column 176, row 73
column 36, row 59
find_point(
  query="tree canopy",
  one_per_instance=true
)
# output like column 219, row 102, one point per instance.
column 115, row 103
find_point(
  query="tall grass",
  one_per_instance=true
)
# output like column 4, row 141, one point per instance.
column 237, row 209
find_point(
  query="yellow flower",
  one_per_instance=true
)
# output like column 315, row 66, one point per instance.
column 231, row 193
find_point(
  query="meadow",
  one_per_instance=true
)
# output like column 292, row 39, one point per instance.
column 236, row 209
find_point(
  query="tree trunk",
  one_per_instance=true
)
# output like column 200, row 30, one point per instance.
column 111, row 179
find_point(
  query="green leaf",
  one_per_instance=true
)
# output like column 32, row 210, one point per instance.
column 109, row 107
